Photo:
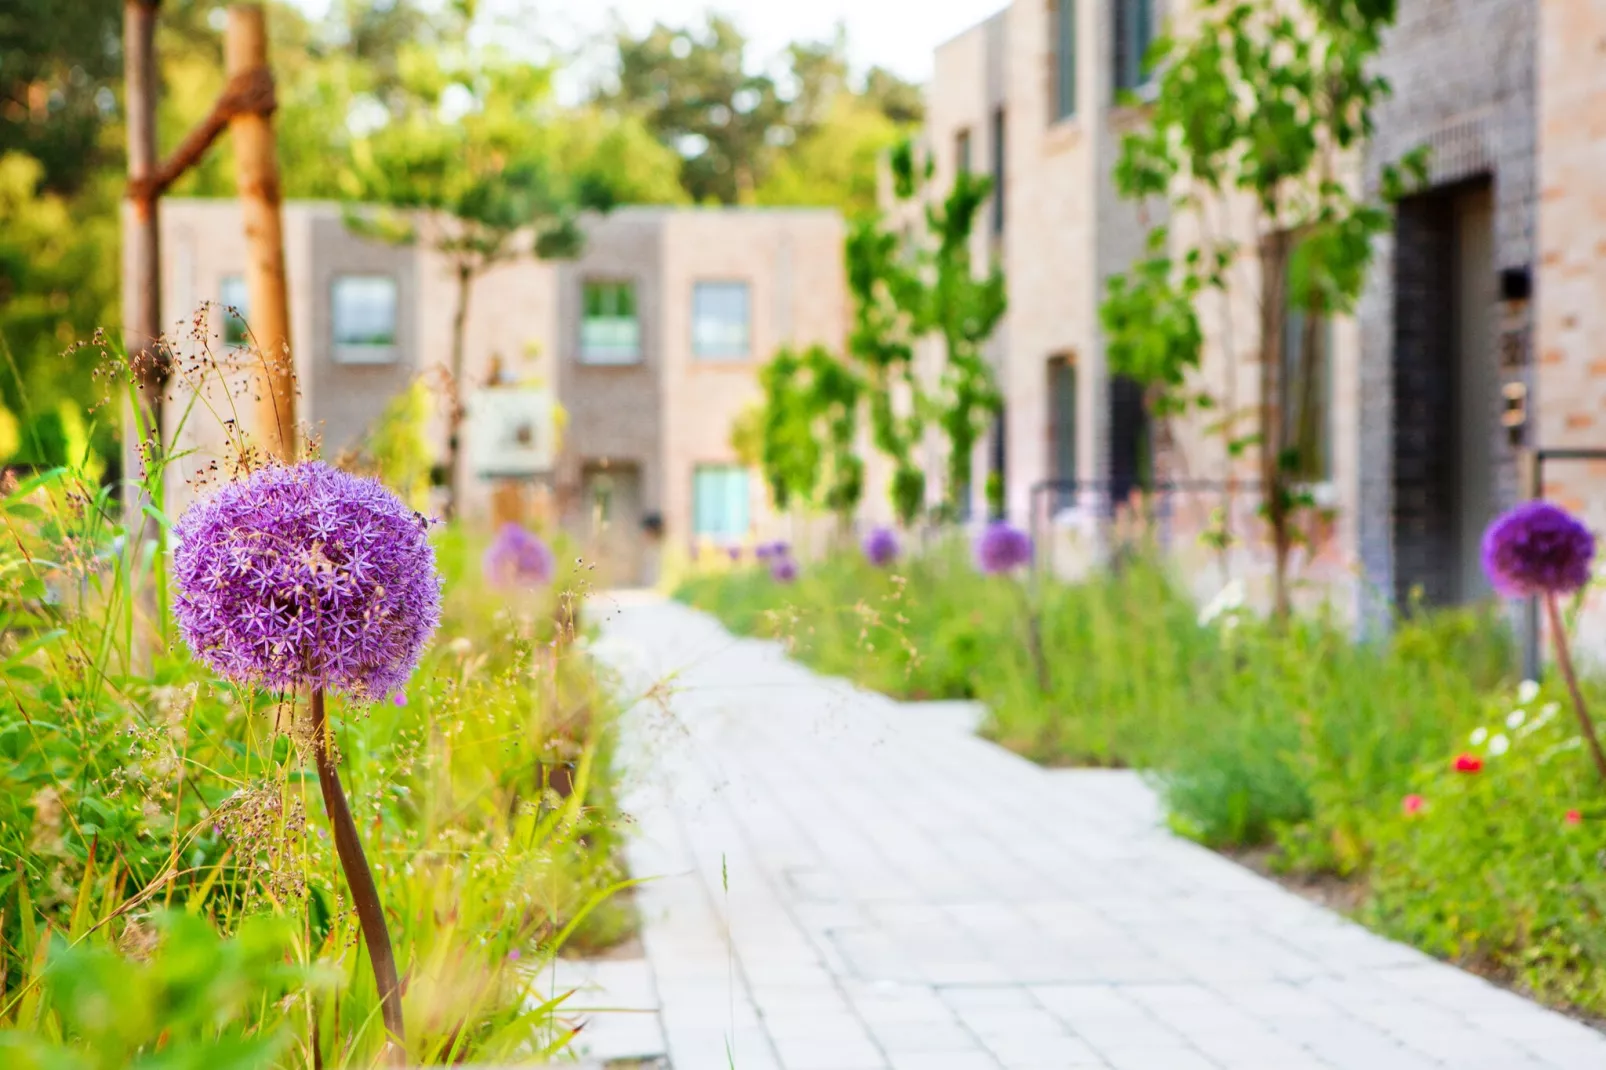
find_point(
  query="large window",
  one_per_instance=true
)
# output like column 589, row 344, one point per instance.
column 610, row 331
column 1134, row 32
column 1306, row 397
column 721, row 321
column 1062, row 420
column 720, row 502
column 998, row 171
column 1064, row 18
column 364, row 319
column 235, row 302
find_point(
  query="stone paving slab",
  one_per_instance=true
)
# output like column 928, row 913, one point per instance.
column 845, row 882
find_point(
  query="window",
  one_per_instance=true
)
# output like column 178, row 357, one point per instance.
column 998, row 171
column 962, row 152
column 719, row 502
column 998, row 467
column 610, row 332
column 1062, row 419
column 1306, row 397
column 232, row 295
column 1134, row 32
column 365, row 319
column 1131, row 442
column 1065, row 58
column 720, row 321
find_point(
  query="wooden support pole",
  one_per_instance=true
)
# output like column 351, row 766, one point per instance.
column 142, row 254
column 256, row 163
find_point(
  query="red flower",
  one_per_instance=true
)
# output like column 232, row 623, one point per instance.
column 1574, row 817
column 1413, row 804
column 1468, row 763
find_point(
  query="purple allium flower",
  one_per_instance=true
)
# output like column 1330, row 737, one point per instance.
column 780, row 548
column 518, row 558
column 306, row 576
column 764, row 551
column 735, row 552
column 1002, row 548
column 881, row 547
column 783, row 570
column 1537, row 548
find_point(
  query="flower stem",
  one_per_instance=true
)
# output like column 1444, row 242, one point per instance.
column 1034, row 638
column 1558, row 632
column 360, row 880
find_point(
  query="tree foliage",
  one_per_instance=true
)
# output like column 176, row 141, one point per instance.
column 1267, row 104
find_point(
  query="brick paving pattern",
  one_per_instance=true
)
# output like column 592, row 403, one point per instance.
column 850, row 883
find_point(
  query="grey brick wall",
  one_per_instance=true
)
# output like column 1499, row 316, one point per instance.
column 1463, row 78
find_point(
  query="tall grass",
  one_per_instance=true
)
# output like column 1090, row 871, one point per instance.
column 160, row 829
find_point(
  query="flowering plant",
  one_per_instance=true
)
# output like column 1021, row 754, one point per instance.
column 306, row 576
column 518, row 557
column 881, row 547
column 1541, row 550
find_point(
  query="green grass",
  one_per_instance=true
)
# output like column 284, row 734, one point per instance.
column 162, row 831
column 1297, row 738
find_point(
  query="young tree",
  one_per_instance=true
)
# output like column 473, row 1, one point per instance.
column 468, row 165
column 1263, row 106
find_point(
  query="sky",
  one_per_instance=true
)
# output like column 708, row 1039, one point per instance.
column 897, row 34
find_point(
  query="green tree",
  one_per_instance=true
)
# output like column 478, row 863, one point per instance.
column 693, row 90
column 481, row 188
column 1269, row 105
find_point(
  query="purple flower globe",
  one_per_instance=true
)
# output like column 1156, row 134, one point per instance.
column 881, row 547
column 1537, row 548
column 783, row 570
column 764, row 551
column 735, row 553
column 1002, row 548
column 306, row 576
column 518, row 558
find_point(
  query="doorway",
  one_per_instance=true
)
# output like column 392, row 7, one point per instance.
column 1445, row 394
column 610, row 498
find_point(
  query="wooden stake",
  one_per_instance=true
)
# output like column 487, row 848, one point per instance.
column 142, row 254
column 256, row 164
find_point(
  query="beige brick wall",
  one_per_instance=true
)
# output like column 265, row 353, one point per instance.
column 1569, row 393
column 792, row 263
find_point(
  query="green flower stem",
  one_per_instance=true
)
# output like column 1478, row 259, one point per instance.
column 1558, row 632
column 360, row 880
column 1034, row 637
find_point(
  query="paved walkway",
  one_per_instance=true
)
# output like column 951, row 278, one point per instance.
column 850, row 883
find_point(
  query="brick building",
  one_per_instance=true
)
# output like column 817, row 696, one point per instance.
column 649, row 342
column 1478, row 307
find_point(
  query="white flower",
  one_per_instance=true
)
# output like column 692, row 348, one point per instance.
column 1479, row 735
column 460, row 646
column 1499, row 744
column 1527, row 691
column 1228, row 600
column 1515, row 718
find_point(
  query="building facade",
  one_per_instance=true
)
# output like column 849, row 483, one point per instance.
column 649, row 343
column 1467, row 357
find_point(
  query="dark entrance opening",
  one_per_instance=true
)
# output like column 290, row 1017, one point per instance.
column 1131, row 444
column 1445, row 393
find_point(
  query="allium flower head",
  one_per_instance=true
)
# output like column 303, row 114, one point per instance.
column 518, row 558
column 881, row 547
column 1002, row 548
column 1537, row 548
column 735, row 553
column 783, row 569
column 305, row 575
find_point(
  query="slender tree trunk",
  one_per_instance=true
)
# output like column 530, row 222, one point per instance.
column 360, row 882
column 455, row 399
column 1274, row 479
column 245, row 49
column 142, row 263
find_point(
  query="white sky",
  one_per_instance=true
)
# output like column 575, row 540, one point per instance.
column 897, row 34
